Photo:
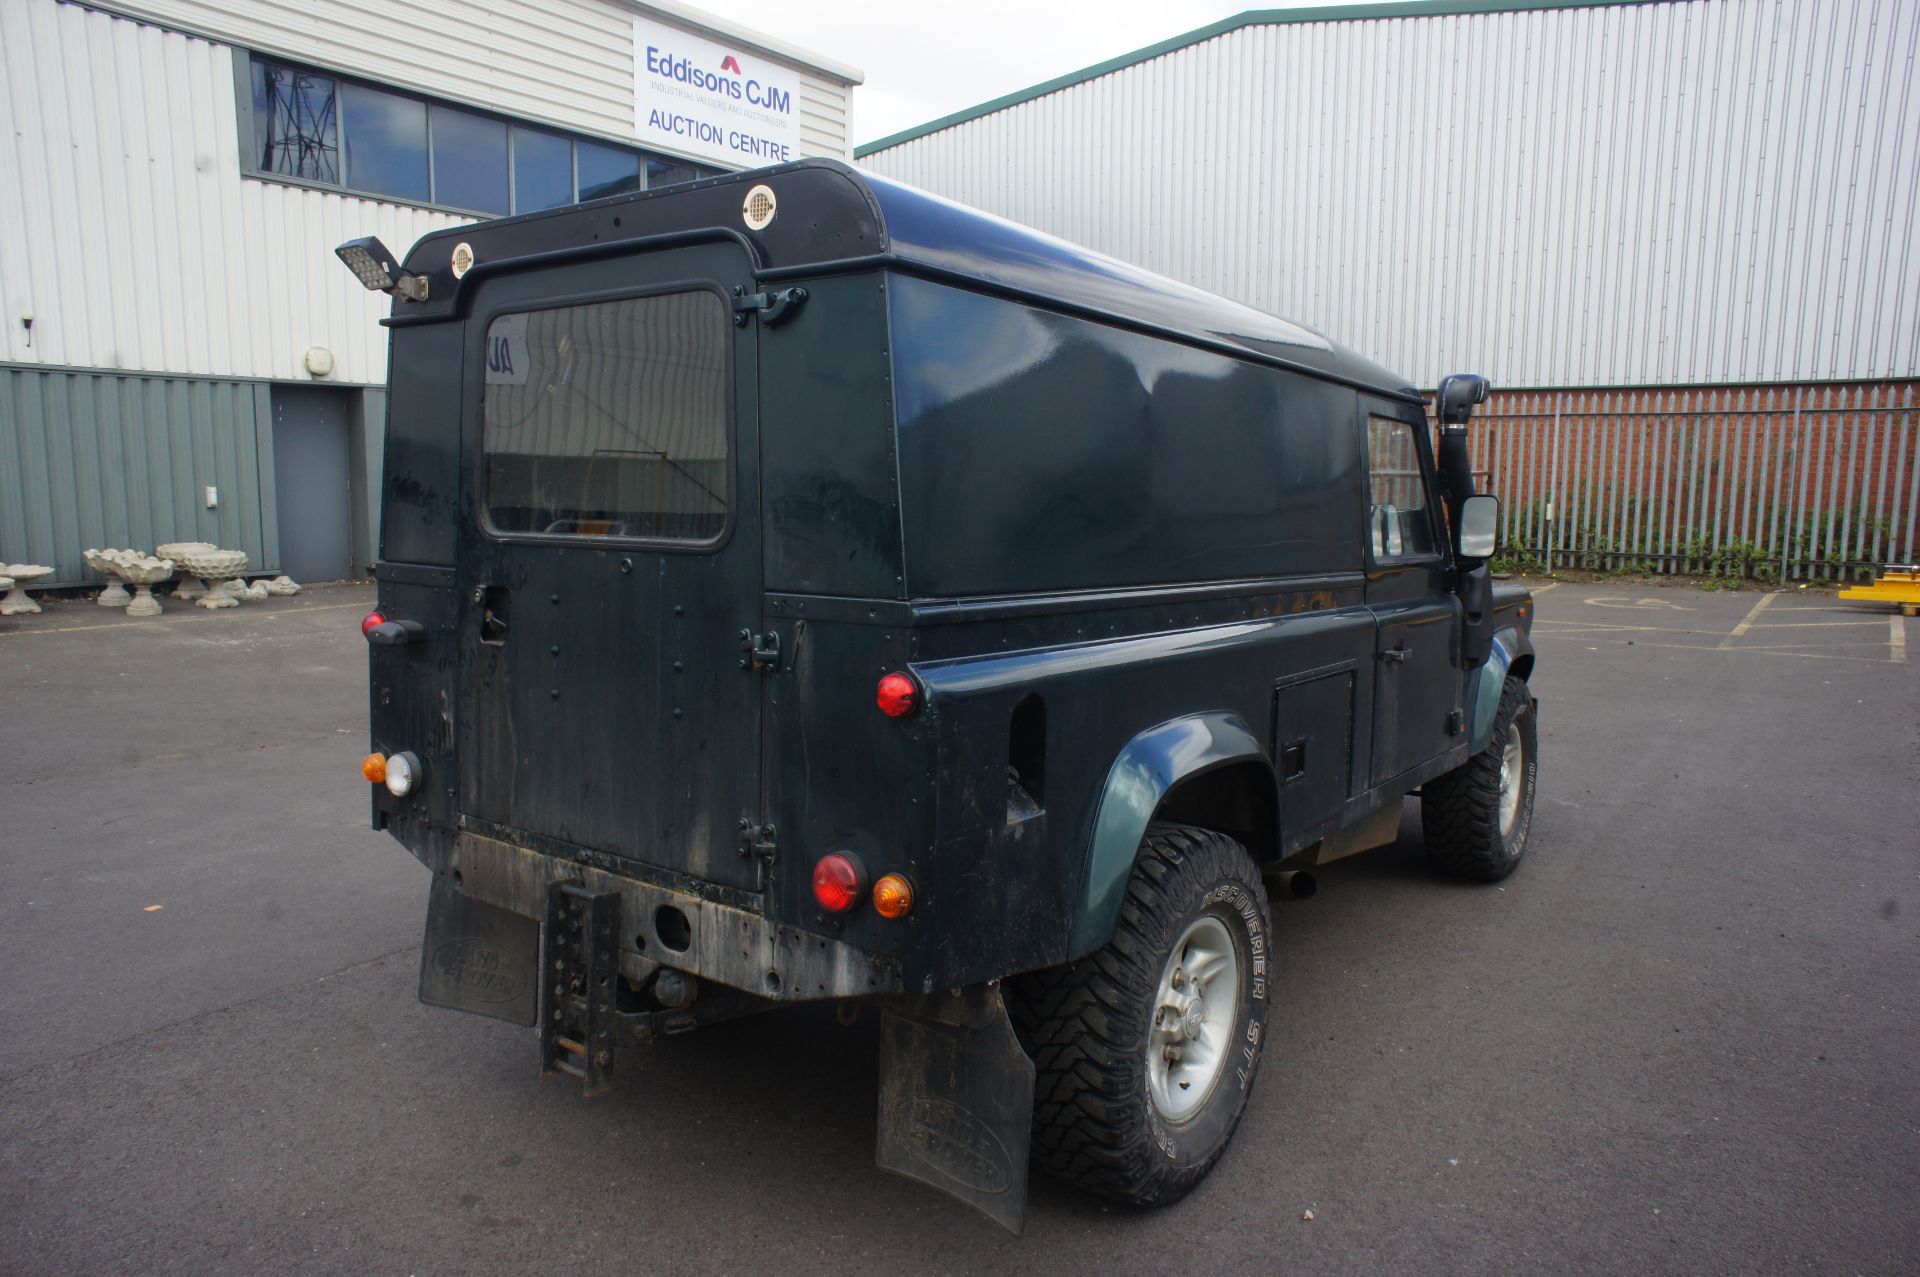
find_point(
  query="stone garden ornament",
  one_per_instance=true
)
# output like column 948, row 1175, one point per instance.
column 18, row 574
column 189, row 587
column 144, row 572
column 102, row 561
column 215, row 567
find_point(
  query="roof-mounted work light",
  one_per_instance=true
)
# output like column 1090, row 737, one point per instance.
column 373, row 265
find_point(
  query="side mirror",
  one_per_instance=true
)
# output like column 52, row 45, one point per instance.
column 1479, row 527
column 1458, row 394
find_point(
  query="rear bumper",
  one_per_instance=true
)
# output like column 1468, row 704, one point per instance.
column 723, row 943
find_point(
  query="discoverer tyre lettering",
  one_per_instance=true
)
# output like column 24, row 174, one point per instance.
column 1093, row 1025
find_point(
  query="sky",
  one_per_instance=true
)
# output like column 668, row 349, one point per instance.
column 924, row 60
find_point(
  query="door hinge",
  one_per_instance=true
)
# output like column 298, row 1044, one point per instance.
column 760, row 651
column 757, row 840
column 1456, row 722
column 775, row 306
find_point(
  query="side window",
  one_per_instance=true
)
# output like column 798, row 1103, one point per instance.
column 610, row 419
column 1399, row 525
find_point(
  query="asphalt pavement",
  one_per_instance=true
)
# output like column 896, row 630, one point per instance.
column 1682, row 1038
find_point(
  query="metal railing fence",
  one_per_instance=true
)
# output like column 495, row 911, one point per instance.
column 1774, row 482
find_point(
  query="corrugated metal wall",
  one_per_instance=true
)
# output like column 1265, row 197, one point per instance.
column 569, row 62
column 134, row 241
column 1685, row 191
column 102, row 461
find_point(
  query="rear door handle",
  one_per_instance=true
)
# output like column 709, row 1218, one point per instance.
column 496, row 612
column 1395, row 654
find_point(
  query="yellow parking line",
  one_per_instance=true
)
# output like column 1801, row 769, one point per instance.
column 175, row 620
column 1789, row 625
column 1582, row 627
column 1746, row 622
column 1765, row 651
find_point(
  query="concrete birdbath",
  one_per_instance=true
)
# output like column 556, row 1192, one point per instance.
column 189, row 587
column 215, row 568
column 144, row 572
column 18, row 574
column 102, row 561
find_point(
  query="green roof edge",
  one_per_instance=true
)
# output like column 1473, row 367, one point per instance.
column 1251, row 18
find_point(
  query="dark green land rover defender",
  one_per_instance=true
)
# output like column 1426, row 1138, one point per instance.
column 797, row 587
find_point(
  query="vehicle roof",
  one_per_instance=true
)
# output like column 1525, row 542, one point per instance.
column 832, row 216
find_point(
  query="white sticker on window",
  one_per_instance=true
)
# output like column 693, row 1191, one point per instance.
column 507, row 356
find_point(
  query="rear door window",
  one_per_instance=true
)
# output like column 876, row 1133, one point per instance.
column 610, row 419
column 1399, row 522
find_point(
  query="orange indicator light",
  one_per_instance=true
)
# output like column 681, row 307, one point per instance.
column 892, row 896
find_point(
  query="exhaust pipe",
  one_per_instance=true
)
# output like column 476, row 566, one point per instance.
column 1295, row 884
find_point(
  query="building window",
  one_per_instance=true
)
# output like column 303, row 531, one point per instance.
column 337, row 132
column 470, row 161
column 296, row 124
column 542, row 170
column 386, row 143
column 1398, row 523
column 606, row 170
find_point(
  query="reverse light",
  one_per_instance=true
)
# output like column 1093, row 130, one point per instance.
column 402, row 771
column 892, row 896
column 374, row 768
column 838, row 882
column 898, row 694
column 370, row 620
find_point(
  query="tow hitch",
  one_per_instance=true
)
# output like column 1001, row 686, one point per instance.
column 579, row 963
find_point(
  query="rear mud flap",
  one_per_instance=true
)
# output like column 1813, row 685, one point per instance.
column 477, row 957
column 956, row 1100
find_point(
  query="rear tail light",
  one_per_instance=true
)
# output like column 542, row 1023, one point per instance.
column 838, row 882
column 898, row 694
column 892, row 896
column 370, row 620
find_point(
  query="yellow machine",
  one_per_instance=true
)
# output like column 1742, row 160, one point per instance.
column 1900, row 583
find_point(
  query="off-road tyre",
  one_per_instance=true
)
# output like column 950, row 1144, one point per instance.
column 1095, row 1123
column 1460, row 811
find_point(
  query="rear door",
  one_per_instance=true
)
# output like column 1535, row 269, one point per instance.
column 610, row 560
column 1416, row 666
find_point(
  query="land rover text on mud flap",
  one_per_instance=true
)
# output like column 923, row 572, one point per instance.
column 795, row 587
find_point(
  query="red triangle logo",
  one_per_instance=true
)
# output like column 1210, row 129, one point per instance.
column 731, row 63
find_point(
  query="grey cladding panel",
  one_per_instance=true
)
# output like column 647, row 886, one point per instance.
column 122, row 461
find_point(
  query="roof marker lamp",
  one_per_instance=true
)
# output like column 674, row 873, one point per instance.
column 373, row 264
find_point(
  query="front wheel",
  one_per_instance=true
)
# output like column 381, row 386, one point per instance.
column 1144, row 1051
column 1476, row 818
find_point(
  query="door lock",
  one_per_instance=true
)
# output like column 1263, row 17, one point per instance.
column 760, row 651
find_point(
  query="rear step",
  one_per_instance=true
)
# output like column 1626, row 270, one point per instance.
column 579, row 962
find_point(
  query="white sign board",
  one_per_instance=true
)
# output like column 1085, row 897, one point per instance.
column 699, row 98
